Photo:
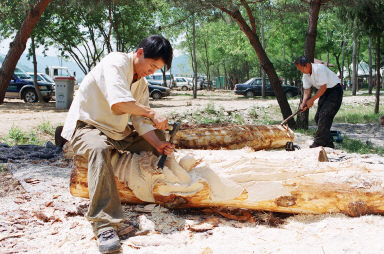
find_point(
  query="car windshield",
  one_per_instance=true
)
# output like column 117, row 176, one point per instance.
column 249, row 81
column 38, row 77
column 21, row 74
column 47, row 78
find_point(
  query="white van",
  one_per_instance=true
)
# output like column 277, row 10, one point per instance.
column 159, row 78
column 182, row 83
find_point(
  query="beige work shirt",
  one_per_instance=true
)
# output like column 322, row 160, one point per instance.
column 108, row 83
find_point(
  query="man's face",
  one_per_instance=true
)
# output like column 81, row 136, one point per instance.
column 146, row 66
column 307, row 69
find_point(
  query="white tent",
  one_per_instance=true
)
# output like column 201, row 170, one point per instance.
column 362, row 70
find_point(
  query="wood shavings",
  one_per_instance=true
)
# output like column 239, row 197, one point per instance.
column 32, row 180
column 245, row 215
column 206, row 225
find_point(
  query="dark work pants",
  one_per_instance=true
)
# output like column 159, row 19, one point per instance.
column 329, row 104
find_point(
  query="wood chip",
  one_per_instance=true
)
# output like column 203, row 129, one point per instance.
column 11, row 236
column 48, row 204
column 74, row 225
column 126, row 231
column 41, row 216
column 32, row 180
column 207, row 251
column 323, row 156
column 206, row 225
column 246, row 216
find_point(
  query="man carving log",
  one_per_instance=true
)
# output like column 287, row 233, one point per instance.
column 97, row 123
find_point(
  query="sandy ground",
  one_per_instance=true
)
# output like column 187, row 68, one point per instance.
column 38, row 214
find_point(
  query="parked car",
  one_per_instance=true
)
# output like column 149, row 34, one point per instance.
column 42, row 77
column 252, row 88
column 157, row 92
column 21, row 86
column 182, row 83
column 201, row 83
column 159, row 78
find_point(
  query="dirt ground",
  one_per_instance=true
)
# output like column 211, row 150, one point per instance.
column 38, row 214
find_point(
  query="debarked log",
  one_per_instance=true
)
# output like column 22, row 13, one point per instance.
column 277, row 181
column 231, row 136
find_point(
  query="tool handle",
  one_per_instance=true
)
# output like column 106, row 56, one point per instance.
column 161, row 162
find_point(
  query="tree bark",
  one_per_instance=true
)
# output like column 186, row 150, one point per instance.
column 194, row 57
column 37, row 89
column 207, row 63
column 310, row 45
column 17, row 46
column 263, row 45
column 370, row 80
column 354, row 64
column 377, row 75
column 343, row 60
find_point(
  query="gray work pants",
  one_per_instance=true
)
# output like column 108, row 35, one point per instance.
column 105, row 207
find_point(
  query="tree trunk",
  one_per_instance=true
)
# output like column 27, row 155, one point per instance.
column 343, row 60
column 226, row 77
column 263, row 45
column 265, row 63
column 310, row 45
column 37, row 89
column 207, row 63
column 349, row 72
column 354, row 64
column 377, row 75
column 326, row 33
column 194, row 57
column 17, row 46
column 370, row 80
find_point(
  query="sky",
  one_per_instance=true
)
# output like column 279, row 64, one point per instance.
column 4, row 47
column 180, row 63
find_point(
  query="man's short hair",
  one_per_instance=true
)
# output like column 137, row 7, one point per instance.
column 155, row 47
column 302, row 60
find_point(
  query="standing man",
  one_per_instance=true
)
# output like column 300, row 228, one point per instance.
column 112, row 93
column 330, row 93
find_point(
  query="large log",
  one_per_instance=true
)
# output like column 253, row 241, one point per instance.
column 232, row 136
column 279, row 181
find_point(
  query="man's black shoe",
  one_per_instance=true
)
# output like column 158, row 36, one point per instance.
column 108, row 240
column 314, row 145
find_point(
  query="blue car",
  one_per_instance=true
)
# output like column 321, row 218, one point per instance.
column 252, row 88
column 21, row 87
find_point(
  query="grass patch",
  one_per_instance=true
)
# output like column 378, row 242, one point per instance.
column 356, row 146
column 2, row 168
column 37, row 136
column 349, row 145
column 17, row 136
column 361, row 115
column 47, row 128
column 210, row 114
